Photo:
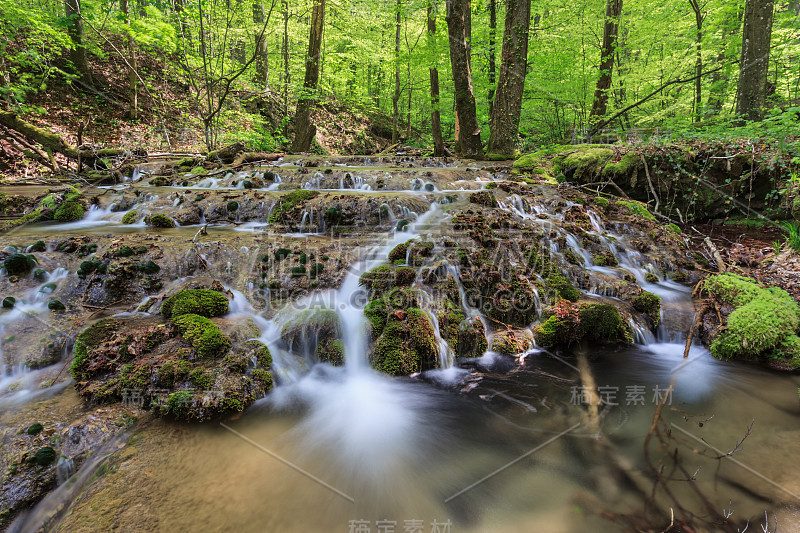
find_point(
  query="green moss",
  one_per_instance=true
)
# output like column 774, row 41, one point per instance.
column 232, row 206
column 203, row 302
column 398, row 252
column 203, row 335
column 391, row 356
column 18, row 264
column 378, row 279
column 674, row 227
column 289, row 201
column 90, row 338
column 585, row 161
column 651, row 278
column 68, row 212
column 56, row 305
column 40, row 274
column 298, row 271
column 237, row 363
column 606, row 258
column 310, row 326
column 125, row 251
column 316, row 269
column 331, row 351
column 9, row 302
column 555, row 331
column 402, row 224
column 650, row 304
column 203, row 378
column 604, row 324
column 624, row 167
column 404, row 276
column 601, row 202
column 762, row 318
column 161, row 221
column 149, row 267
column 34, row 429
column 636, row 208
column 263, row 377
column 44, row 456
column 377, row 313
column 38, row 246
column 563, row 287
column 282, row 253
column 262, row 353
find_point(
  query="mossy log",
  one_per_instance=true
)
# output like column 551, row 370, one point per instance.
column 53, row 143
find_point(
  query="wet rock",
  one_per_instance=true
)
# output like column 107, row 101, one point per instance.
column 188, row 216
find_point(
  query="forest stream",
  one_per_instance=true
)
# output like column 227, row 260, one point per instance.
column 328, row 344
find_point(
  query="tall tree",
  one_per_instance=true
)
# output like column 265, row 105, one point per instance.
column 133, row 92
column 436, row 121
column 492, row 58
column 305, row 131
column 468, row 140
column 752, row 90
column 610, row 29
column 505, row 114
column 396, row 95
column 699, row 17
column 262, row 53
column 72, row 9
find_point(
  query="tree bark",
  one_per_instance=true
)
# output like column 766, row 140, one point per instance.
column 752, row 89
column 436, row 121
column 610, row 28
column 133, row 92
column 305, row 131
column 505, row 115
column 698, row 67
column 396, row 95
column 285, row 54
column 492, row 60
column 72, row 9
column 262, row 55
column 468, row 141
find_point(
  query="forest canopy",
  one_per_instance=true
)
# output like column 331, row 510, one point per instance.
column 572, row 69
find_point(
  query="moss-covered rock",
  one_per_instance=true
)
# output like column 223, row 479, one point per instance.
column 88, row 339
column 762, row 318
column 377, row 313
column 511, row 342
column 203, row 335
column 636, row 208
column 563, row 288
column 484, row 198
column 68, row 212
column 406, row 346
column 603, row 323
column 203, row 302
column 378, row 279
column 649, row 304
column 131, row 217
column 404, row 276
column 38, row 246
column 398, row 252
column 19, row 264
column 161, row 221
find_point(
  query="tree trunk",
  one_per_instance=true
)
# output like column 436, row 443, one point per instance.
column 133, row 93
column 492, row 39
column 285, row 54
column 305, row 131
column 698, row 67
column 720, row 78
column 610, row 28
column 436, row 121
column 72, row 9
column 507, row 107
column 468, row 140
column 262, row 55
column 396, row 96
column 751, row 93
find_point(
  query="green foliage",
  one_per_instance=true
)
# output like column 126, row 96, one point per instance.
column 203, row 302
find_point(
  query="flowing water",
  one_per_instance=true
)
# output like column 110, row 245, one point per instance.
column 490, row 444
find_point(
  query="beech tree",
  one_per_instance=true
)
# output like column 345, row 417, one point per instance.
column 610, row 29
column 505, row 112
column 305, row 131
column 757, row 33
column 468, row 137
